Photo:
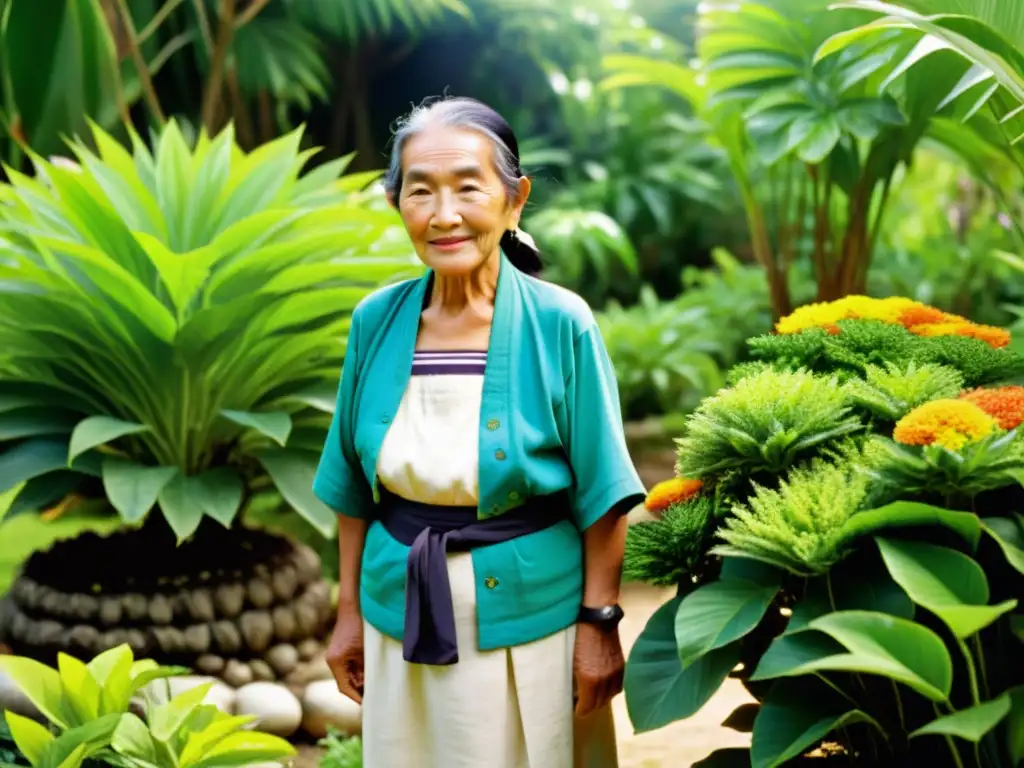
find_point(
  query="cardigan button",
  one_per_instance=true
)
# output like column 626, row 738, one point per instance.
column 513, row 496
column 490, row 582
column 493, row 424
column 499, row 455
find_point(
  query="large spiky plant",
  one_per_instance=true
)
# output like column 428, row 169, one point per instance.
column 173, row 321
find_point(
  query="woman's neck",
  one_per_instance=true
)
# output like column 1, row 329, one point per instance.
column 472, row 293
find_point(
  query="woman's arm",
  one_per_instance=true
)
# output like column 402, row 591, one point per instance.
column 604, row 544
column 351, row 537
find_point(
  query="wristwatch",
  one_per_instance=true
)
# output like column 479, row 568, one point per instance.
column 605, row 618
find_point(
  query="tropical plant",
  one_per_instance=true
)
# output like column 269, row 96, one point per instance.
column 865, row 590
column 173, row 322
column 811, row 145
column 341, row 751
column 89, row 705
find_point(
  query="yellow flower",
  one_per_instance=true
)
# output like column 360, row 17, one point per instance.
column 950, row 423
column 665, row 494
column 896, row 310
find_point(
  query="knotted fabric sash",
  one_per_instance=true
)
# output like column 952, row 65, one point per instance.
column 432, row 531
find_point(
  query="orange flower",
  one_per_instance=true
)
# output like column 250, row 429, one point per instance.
column 990, row 334
column 665, row 494
column 922, row 314
column 1004, row 404
column 950, row 423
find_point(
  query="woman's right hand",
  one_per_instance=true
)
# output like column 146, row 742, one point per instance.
column 345, row 654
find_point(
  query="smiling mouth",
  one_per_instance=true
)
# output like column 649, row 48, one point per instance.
column 449, row 241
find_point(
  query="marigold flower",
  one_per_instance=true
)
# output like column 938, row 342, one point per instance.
column 669, row 492
column 950, row 423
column 990, row 334
column 1004, row 404
column 896, row 310
column 922, row 314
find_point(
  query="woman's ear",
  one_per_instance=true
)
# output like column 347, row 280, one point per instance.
column 525, row 185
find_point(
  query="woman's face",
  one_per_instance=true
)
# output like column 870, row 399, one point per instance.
column 452, row 201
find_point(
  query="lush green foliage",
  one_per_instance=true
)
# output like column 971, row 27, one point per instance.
column 872, row 578
column 341, row 751
column 173, row 322
column 89, row 704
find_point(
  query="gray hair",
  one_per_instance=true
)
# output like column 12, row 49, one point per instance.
column 454, row 113
column 470, row 115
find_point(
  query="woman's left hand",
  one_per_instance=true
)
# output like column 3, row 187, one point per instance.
column 598, row 666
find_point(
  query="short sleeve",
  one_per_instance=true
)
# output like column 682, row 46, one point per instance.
column 339, row 481
column 602, row 468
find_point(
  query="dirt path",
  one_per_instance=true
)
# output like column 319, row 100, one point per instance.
column 681, row 744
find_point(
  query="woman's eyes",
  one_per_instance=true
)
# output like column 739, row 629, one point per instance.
column 464, row 189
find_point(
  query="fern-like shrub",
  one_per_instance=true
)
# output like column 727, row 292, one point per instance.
column 671, row 550
column 764, row 423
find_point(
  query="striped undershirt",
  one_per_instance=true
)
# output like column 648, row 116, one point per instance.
column 429, row 362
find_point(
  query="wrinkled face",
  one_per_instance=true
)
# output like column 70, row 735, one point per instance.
column 452, row 201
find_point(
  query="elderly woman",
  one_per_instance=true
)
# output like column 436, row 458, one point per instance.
column 478, row 466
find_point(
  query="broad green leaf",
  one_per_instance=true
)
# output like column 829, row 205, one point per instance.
column 658, row 690
column 859, row 583
column 797, row 715
column 32, row 738
column 34, row 458
column 820, row 140
column 180, row 503
column 141, row 677
column 167, row 718
column 730, row 757
column 112, row 672
column 132, row 739
column 79, row 743
column 718, row 614
column 292, row 472
column 132, row 488
column 200, row 742
column 220, row 494
column 41, row 685
column 907, row 514
column 35, row 421
column 246, row 748
column 868, row 642
column 276, row 426
column 970, row 724
column 946, row 582
column 99, row 430
column 81, row 693
column 1009, row 538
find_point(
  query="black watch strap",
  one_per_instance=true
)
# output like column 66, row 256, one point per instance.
column 607, row 617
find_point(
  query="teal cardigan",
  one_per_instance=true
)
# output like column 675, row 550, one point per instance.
column 550, row 421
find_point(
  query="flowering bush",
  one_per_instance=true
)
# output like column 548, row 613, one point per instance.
column 846, row 536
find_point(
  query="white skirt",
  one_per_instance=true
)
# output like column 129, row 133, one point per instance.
column 505, row 708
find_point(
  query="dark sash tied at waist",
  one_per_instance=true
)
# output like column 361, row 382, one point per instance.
column 432, row 531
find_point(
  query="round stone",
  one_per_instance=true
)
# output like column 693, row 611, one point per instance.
column 284, row 582
column 210, row 663
column 135, row 606
column 283, row 658
column 237, row 673
column 84, row 607
column 84, row 640
column 324, row 705
column 308, row 649
column 262, row 671
column 110, row 611
column 284, row 622
column 160, row 609
column 257, row 630
column 276, row 709
column 197, row 638
column 261, row 595
column 306, row 618
column 200, row 605
column 229, row 599
column 226, row 637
